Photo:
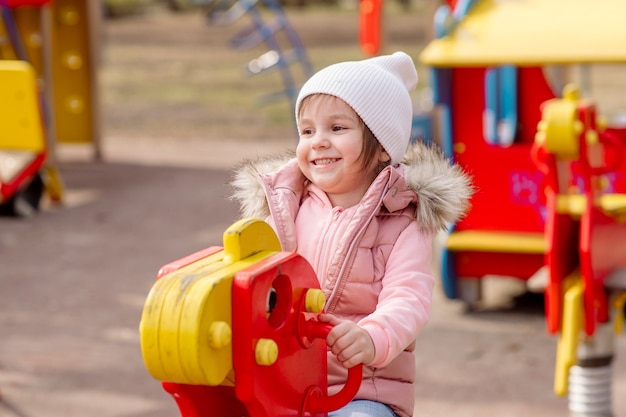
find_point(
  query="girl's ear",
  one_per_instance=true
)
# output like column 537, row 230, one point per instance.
column 383, row 156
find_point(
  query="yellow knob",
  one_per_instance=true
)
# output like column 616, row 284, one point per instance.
column 220, row 335
column 266, row 352
column 34, row 40
column 69, row 16
column 314, row 301
column 542, row 126
column 73, row 60
column 75, row 104
column 540, row 137
column 571, row 92
column 578, row 127
column 592, row 138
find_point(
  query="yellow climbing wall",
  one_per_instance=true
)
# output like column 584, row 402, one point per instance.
column 61, row 42
column 73, row 68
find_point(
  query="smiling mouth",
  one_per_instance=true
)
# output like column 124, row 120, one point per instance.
column 325, row 161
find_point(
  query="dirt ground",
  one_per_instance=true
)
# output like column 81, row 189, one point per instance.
column 74, row 278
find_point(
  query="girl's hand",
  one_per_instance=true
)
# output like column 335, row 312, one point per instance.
column 349, row 343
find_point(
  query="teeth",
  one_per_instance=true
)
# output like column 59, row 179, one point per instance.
column 324, row 161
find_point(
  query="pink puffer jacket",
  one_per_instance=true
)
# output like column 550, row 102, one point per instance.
column 373, row 260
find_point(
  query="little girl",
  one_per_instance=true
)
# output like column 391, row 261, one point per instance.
column 362, row 206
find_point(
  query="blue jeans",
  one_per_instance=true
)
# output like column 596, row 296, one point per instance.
column 363, row 408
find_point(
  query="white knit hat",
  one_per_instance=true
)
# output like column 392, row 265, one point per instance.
column 378, row 91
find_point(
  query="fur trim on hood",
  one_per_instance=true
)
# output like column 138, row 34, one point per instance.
column 443, row 189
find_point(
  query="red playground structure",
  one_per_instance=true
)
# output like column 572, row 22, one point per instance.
column 550, row 173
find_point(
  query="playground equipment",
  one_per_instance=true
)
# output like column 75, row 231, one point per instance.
column 584, row 221
column 269, row 25
column 48, row 94
column 489, row 88
column 23, row 149
column 549, row 171
column 233, row 331
column 370, row 26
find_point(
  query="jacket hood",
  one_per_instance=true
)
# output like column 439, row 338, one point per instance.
column 443, row 190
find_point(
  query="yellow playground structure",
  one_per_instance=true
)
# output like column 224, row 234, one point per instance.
column 48, row 53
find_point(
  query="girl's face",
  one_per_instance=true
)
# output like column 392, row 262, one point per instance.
column 331, row 142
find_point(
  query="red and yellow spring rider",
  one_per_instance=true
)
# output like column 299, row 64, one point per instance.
column 232, row 331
